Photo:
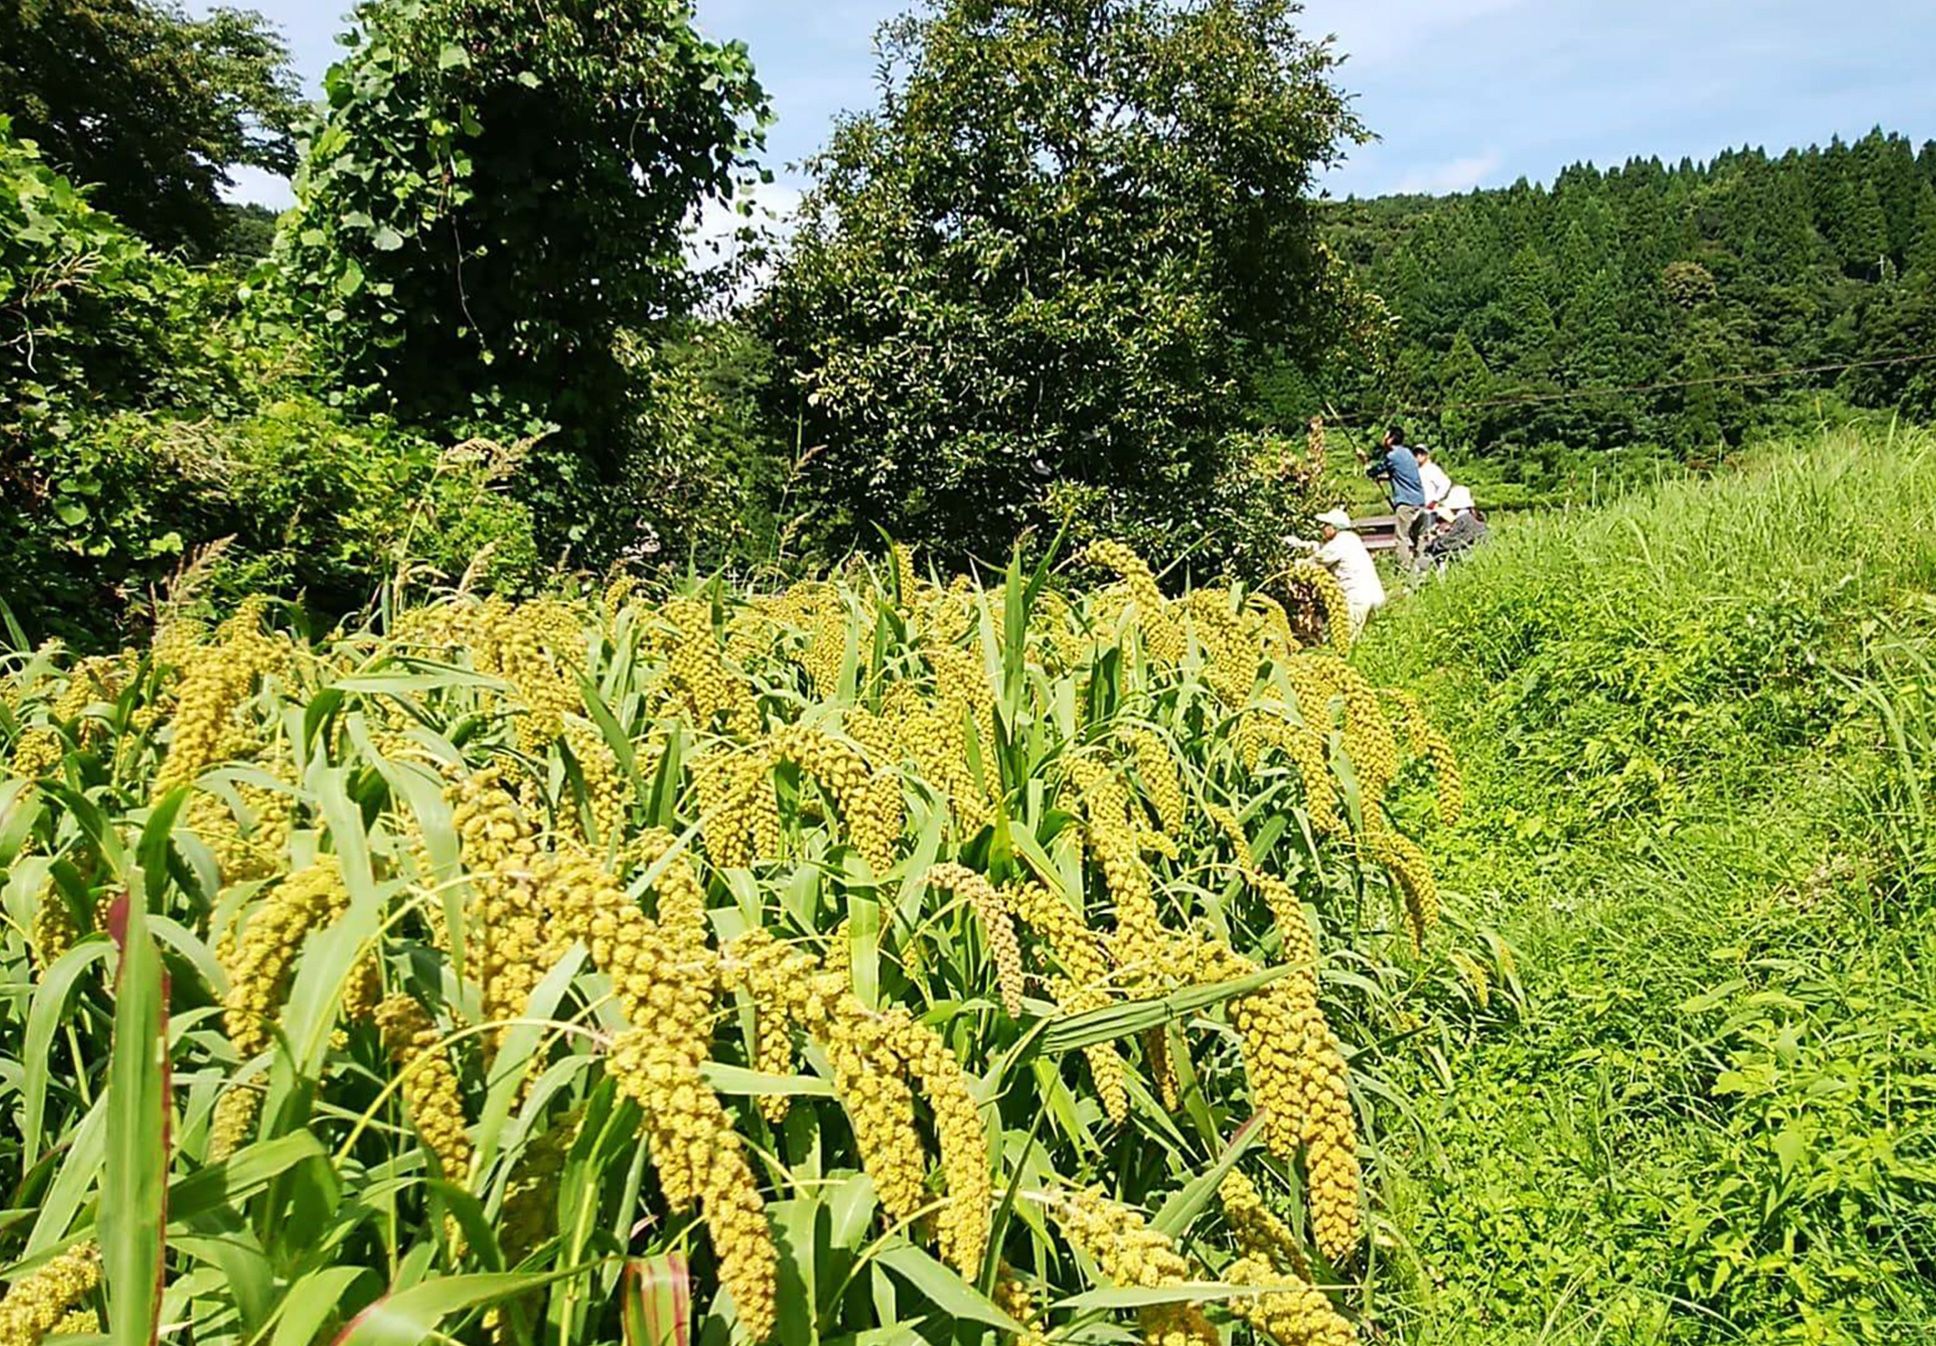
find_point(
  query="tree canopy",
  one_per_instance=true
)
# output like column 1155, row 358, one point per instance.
column 494, row 190
column 150, row 107
column 493, row 203
column 1651, row 304
column 1029, row 281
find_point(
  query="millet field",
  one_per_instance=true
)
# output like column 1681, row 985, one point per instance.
column 670, row 678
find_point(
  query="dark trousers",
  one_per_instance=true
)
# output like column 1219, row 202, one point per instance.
column 1411, row 535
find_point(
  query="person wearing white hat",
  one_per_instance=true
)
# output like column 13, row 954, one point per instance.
column 1343, row 553
column 1460, row 527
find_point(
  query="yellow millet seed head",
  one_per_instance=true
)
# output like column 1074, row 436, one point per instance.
column 1295, row 1313
column 511, row 942
column 77, row 1323
column 1314, row 689
column 1114, row 844
column 660, row 982
column 865, row 1049
column 1270, row 625
column 1305, row 747
column 364, row 989
column 724, row 800
column 878, row 1103
column 700, row 1157
column 259, row 966
column 905, row 578
column 216, row 681
column 1176, row 1325
column 1162, row 638
column 998, row 928
column 933, row 739
column 1331, row 1143
column 1107, row 1069
column 37, row 1301
column 232, row 1122
column 1013, row 1297
column 1417, row 887
column 36, row 753
column 1300, row 943
column 875, row 818
column 1274, row 1060
column 825, row 652
column 1156, row 1051
column 773, row 1055
column 537, row 647
column 1259, row 1233
column 1060, row 925
column 960, row 1136
column 1424, row 739
column 1329, row 597
column 53, row 931
column 1269, row 1031
column 1225, row 821
column 870, row 801
column 607, row 791
column 1445, row 771
column 1158, row 843
column 680, row 896
column 531, row 1196
column 1120, row 1241
column 431, row 1095
column 1367, row 734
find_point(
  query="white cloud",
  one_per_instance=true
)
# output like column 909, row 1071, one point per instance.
column 1455, row 175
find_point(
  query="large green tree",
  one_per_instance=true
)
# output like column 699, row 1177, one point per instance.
column 1031, row 279
column 150, row 107
column 494, row 203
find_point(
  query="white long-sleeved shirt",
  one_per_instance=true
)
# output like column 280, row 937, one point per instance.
column 1435, row 480
column 1346, row 557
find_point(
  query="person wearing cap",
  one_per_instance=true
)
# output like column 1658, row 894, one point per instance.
column 1397, row 469
column 1343, row 553
column 1460, row 526
column 1432, row 478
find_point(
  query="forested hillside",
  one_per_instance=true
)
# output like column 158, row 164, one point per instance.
column 1643, row 305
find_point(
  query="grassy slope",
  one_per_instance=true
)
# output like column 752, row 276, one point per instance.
column 1712, row 1115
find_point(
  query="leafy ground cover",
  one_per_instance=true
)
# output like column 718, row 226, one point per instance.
column 1698, row 724
column 870, row 960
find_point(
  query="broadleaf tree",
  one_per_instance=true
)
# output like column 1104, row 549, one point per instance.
column 151, row 108
column 1033, row 279
column 494, row 201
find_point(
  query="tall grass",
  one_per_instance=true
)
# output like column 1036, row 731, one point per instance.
column 1699, row 723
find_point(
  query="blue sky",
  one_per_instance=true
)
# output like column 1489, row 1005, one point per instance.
column 1464, row 93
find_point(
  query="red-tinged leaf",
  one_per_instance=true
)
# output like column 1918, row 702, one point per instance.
column 658, row 1301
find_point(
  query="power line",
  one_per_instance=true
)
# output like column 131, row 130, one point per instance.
column 1568, row 395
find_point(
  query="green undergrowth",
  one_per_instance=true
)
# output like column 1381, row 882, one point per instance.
column 1700, row 732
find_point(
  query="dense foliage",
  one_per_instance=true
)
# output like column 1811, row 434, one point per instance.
column 150, row 107
column 144, row 420
column 1027, row 286
column 1704, row 752
column 1530, row 314
column 494, row 194
column 778, row 938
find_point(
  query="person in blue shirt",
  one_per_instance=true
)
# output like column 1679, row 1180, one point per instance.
column 1397, row 468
